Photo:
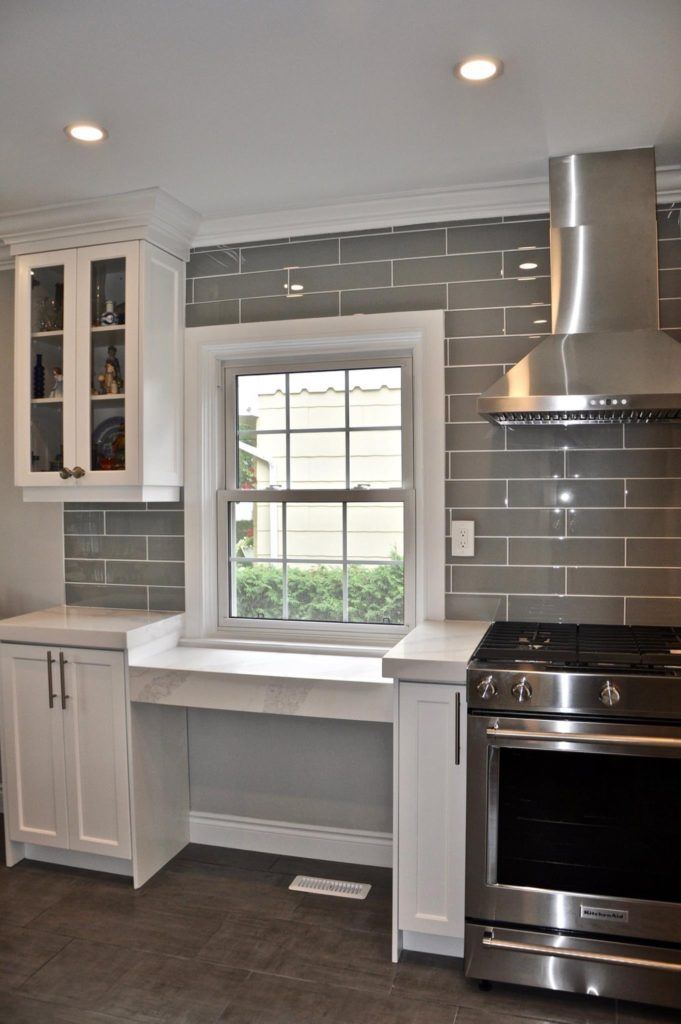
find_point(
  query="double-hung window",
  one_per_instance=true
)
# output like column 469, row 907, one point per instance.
column 316, row 521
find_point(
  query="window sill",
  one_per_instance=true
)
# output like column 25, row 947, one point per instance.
column 341, row 686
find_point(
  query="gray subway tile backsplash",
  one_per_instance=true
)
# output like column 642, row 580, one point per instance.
column 563, row 608
column 394, row 300
column 393, row 246
column 280, row 307
column 497, row 237
column 289, row 254
column 468, row 267
column 133, row 560
column 572, row 524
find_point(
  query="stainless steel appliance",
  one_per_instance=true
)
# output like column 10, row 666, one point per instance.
column 606, row 361
column 573, row 864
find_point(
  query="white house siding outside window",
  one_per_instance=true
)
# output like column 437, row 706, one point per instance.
column 316, row 523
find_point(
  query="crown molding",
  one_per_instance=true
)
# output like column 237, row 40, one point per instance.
column 493, row 199
column 149, row 214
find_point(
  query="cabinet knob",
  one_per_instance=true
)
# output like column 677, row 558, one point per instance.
column 65, row 473
column 78, row 472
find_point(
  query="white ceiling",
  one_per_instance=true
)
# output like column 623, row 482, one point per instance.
column 249, row 106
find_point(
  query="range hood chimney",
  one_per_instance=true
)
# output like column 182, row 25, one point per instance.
column 606, row 361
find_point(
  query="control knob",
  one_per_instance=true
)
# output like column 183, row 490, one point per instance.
column 486, row 688
column 522, row 690
column 609, row 694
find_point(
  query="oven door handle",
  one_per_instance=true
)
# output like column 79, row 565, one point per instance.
column 612, row 739
column 488, row 939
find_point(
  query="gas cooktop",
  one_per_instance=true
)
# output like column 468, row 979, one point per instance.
column 563, row 645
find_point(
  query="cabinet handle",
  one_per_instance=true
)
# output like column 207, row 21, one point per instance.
column 62, row 680
column 50, row 690
column 65, row 473
column 78, row 472
column 457, row 728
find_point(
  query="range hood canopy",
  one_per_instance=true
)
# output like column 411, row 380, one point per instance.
column 606, row 360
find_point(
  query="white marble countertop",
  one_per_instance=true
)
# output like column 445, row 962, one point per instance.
column 110, row 628
column 279, row 683
column 435, row 652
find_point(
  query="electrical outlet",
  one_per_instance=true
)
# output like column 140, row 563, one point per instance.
column 463, row 538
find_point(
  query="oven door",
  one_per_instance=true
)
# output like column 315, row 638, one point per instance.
column 574, row 826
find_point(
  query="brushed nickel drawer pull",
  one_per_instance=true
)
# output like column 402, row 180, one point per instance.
column 50, row 690
column 62, row 680
column 578, row 954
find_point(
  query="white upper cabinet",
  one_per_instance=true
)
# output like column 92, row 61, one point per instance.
column 99, row 331
column 98, row 373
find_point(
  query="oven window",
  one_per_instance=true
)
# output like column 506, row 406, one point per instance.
column 595, row 824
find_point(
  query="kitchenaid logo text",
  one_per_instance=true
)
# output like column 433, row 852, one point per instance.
column 604, row 914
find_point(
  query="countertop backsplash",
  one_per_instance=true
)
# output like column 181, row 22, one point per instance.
column 579, row 523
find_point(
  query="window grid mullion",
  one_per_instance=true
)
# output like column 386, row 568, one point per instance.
column 287, row 404
column 347, row 429
column 346, row 601
column 284, row 555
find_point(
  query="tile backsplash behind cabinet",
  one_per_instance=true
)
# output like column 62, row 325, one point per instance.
column 577, row 523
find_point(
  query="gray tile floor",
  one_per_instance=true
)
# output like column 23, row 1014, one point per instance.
column 218, row 937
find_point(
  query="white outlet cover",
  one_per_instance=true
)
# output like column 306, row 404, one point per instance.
column 463, row 538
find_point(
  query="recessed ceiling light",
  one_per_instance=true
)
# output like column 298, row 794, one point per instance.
column 82, row 131
column 479, row 69
column 529, row 266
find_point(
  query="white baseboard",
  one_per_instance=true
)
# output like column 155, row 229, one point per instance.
column 349, row 846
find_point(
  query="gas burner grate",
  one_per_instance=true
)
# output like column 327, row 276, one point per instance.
column 564, row 644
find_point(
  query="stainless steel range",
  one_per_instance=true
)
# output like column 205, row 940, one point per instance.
column 573, row 877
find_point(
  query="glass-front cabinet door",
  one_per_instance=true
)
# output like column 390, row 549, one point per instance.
column 45, row 367
column 107, row 389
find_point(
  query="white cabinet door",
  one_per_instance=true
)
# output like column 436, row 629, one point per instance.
column 431, row 808
column 33, row 738
column 44, row 368
column 95, row 741
column 107, row 418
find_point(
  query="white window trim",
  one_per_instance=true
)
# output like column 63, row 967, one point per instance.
column 416, row 334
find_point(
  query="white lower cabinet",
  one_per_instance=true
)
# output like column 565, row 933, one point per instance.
column 431, row 816
column 65, row 748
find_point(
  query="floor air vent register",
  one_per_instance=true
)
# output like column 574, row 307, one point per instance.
column 330, row 887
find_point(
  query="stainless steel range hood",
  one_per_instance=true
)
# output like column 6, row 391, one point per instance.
column 606, row 360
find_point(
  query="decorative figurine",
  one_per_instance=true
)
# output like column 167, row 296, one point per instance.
column 108, row 317
column 57, row 383
column 113, row 358
column 38, row 378
column 108, row 384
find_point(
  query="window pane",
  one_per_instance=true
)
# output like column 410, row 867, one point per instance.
column 315, row 593
column 317, row 399
column 376, row 593
column 261, row 401
column 318, row 460
column 314, row 531
column 376, row 397
column 376, row 458
column 375, row 531
column 257, row 530
column 262, row 460
column 259, row 590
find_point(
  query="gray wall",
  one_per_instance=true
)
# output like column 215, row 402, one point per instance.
column 581, row 524
column 304, row 770
column 31, row 550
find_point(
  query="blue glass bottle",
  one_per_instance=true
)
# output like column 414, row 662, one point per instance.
column 38, row 378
